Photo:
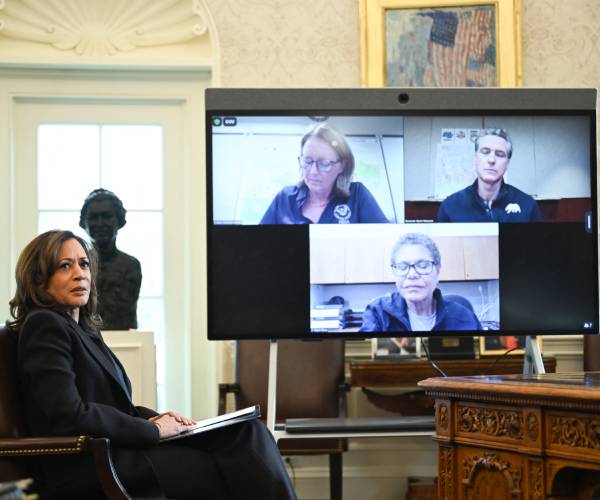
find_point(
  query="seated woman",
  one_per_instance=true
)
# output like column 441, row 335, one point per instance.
column 325, row 193
column 418, row 305
column 72, row 384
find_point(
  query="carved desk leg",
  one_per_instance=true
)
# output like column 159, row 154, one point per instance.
column 446, row 463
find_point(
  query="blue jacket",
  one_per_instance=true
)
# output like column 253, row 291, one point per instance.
column 389, row 314
column 286, row 207
column 511, row 205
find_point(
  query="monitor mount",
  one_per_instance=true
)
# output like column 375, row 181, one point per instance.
column 532, row 362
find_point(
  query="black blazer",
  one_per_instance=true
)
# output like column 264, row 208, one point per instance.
column 70, row 386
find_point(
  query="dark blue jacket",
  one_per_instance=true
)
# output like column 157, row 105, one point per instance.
column 286, row 207
column 467, row 206
column 389, row 314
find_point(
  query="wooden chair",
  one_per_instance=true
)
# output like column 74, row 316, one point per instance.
column 310, row 384
column 17, row 450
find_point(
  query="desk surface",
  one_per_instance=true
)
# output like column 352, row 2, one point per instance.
column 578, row 390
column 394, row 373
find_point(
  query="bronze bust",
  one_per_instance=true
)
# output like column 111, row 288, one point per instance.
column 119, row 274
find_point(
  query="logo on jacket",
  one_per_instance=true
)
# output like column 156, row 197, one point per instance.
column 342, row 213
column 513, row 208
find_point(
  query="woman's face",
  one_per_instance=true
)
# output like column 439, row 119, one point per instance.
column 319, row 181
column 415, row 287
column 70, row 284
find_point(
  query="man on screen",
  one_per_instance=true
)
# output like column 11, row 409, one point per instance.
column 489, row 198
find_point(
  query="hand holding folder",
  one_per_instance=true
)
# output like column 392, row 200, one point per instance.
column 217, row 422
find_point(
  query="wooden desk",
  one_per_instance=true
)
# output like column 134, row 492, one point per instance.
column 378, row 374
column 518, row 436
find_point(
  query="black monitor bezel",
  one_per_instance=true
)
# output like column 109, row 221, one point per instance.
column 388, row 102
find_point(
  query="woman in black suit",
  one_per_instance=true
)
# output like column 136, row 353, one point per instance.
column 72, row 384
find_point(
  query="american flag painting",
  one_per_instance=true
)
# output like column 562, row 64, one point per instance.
column 441, row 47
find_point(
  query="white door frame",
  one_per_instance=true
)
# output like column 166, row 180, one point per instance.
column 191, row 379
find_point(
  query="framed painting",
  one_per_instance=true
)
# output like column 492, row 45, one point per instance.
column 440, row 43
column 396, row 347
column 494, row 345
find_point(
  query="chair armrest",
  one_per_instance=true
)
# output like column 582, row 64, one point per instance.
column 99, row 448
column 43, row 446
column 225, row 389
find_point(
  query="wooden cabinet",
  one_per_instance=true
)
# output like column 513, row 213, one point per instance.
column 453, row 260
column 327, row 260
column 367, row 260
column 517, row 436
column 364, row 261
column 481, row 257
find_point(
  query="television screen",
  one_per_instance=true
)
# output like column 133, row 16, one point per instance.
column 370, row 212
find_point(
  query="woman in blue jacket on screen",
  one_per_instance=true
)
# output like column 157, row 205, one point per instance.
column 417, row 305
column 72, row 384
column 325, row 193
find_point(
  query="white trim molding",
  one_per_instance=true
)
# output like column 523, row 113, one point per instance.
column 103, row 28
column 107, row 33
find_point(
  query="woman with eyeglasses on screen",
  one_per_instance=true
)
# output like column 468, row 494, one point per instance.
column 418, row 304
column 72, row 384
column 325, row 193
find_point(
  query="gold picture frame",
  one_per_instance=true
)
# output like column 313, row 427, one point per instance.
column 495, row 345
column 375, row 15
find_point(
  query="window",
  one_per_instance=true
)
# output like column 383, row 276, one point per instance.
column 75, row 159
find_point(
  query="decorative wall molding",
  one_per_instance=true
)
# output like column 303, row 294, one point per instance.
column 96, row 29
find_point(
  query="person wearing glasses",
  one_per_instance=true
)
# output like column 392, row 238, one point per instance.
column 417, row 305
column 489, row 198
column 325, row 193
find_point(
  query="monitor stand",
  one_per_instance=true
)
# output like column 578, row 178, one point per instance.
column 272, row 387
column 532, row 362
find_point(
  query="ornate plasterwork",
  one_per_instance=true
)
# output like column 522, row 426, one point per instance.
column 103, row 27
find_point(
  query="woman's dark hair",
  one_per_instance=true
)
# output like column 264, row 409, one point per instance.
column 37, row 263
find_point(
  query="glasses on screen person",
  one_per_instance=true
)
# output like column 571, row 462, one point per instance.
column 417, row 304
column 489, row 198
column 325, row 193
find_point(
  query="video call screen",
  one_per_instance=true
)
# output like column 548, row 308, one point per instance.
column 367, row 223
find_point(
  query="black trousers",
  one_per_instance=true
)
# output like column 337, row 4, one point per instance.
column 239, row 462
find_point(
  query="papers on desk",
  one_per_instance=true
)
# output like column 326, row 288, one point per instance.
column 219, row 421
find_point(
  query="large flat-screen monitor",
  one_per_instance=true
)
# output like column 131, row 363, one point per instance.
column 376, row 212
